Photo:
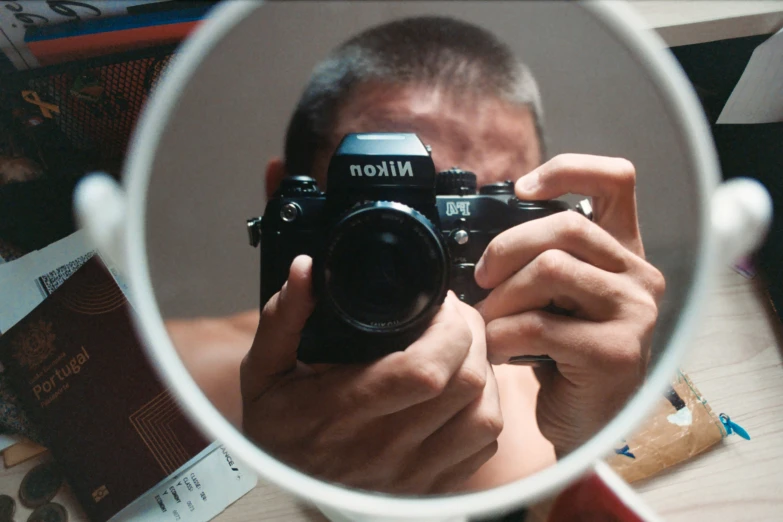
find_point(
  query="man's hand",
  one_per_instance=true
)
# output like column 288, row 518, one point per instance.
column 418, row 421
column 594, row 270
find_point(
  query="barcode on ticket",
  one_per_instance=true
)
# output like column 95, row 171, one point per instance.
column 51, row 281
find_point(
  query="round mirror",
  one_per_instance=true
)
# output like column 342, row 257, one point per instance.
column 469, row 119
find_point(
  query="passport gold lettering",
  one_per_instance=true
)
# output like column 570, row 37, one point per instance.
column 48, row 367
column 55, row 384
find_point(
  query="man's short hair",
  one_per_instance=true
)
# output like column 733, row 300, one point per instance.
column 437, row 51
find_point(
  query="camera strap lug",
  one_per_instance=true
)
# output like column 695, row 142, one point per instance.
column 254, row 231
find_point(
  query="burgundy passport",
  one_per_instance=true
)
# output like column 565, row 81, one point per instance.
column 79, row 371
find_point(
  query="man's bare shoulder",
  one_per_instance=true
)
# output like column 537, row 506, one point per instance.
column 228, row 330
column 212, row 349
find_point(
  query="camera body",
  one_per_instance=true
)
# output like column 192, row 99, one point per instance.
column 389, row 238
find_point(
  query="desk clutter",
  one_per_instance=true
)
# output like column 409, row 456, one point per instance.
column 85, row 391
column 36, row 493
column 76, row 388
column 74, row 80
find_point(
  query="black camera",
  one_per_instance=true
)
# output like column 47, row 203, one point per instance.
column 388, row 240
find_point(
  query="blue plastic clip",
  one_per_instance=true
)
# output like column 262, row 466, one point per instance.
column 733, row 427
column 625, row 450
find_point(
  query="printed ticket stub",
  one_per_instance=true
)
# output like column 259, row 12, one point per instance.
column 197, row 494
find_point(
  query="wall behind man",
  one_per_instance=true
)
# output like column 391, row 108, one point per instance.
column 208, row 176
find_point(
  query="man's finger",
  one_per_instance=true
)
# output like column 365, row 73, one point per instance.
column 417, row 423
column 477, row 354
column 556, row 278
column 403, row 379
column 611, row 182
column 443, row 347
column 453, row 479
column 574, row 343
column 514, row 248
column 471, row 429
column 274, row 348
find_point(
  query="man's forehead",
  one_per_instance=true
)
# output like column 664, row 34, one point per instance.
column 490, row 136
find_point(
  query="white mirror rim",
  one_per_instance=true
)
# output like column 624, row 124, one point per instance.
column 684, row 107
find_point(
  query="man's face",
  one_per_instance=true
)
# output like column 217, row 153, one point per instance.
column 492, row 138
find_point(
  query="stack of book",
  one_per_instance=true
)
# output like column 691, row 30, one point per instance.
column 35, row 34
column 82, row 39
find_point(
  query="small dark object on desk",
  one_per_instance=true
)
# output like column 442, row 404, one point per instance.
column 40, row 485
column 7, row 508
column 51, row 512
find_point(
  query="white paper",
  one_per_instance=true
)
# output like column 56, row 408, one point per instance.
column 6, row 441
column 16, row 17
column 198, row 494
column 758, row 96
column 27, row 281
column 18, row 292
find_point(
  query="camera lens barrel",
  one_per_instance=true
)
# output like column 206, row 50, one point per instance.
column 385, row 269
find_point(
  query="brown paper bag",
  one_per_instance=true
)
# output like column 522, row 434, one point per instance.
column 682, row 425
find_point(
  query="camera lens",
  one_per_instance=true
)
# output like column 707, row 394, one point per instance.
column 385, row 268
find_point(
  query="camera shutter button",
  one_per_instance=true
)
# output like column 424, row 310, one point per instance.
column 498, row 189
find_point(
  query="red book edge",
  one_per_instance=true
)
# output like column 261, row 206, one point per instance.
column 50, row 52
column 591, row 499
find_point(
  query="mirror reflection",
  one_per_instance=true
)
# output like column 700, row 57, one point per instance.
column 451, row 300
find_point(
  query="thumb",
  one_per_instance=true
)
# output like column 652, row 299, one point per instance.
column 610, row 182
column 273, row 352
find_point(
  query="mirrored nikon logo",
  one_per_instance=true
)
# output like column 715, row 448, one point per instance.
column 401, row 169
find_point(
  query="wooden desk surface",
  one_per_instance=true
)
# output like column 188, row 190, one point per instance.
column 736, row 364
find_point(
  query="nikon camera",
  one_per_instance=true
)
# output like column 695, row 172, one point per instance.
column 388, row 239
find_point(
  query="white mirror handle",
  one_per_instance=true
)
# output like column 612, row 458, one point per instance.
column 741, row 213
column 99, row 205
